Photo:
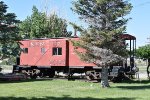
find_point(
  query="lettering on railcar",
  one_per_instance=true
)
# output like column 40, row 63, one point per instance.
column 38, row 44
column 56, row 43
column 57, row 62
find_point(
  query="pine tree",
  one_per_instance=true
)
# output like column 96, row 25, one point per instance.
column 9, row 35
column 101, row 40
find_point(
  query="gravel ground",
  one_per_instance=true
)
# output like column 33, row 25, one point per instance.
column 6, row 71
column 143, row 75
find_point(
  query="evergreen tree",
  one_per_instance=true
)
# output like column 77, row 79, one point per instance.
column 9, row 33
column 38, row 25
column 101, row 40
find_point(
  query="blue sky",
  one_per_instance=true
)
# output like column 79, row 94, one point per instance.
column 138, row 26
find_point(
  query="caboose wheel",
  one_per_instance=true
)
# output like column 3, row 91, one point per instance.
column 89, row 75
column 92, row 75
column 51, row 73
column 118, row 78
column 33, row 76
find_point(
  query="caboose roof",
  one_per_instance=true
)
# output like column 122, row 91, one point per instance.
column 123, row 36
column 127, row 37
column 62, row 38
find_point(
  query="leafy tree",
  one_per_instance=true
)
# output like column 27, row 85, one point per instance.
column 38, row 25
column 57, row 26
column 33, row 26
column 144, row 53
column 101, row 40
column 9, row 33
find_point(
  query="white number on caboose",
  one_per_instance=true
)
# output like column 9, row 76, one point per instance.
column 33, row 44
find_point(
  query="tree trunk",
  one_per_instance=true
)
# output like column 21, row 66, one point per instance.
column 148, row 71
column 104, row 77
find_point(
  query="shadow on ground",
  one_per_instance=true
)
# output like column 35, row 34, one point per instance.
column 20, row 81
column 144, row 84
column 136, row 81
column 134, row 87
column 64, row 98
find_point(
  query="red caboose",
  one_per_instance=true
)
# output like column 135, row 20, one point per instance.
column 43, row 57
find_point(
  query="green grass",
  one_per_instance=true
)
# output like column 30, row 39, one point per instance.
column 73, row 90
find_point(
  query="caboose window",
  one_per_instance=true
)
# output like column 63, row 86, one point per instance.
column 25, row 50
column 43, row 50
column 57, row 51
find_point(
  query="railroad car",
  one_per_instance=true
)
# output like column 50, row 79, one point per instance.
column 46, row 57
